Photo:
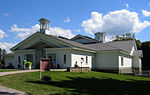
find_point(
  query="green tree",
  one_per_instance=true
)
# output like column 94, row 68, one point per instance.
column 139, row 44
column 146, row 55
column 2, row 58
column 0, row 54
column 3, row 54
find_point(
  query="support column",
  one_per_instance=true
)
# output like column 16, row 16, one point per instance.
column 33, row 54
column 46, row 54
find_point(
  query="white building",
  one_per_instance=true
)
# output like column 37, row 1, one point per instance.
column 119, row 56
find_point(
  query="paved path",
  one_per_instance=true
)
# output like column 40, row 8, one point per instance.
column 9, row 91
column 15, row 72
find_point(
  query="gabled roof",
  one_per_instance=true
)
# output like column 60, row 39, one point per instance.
column 101, row 47
column 14, row 47
column 66, row 41
column 9, row 54
column 84, row 37
column 125, row 46
column 70, row 42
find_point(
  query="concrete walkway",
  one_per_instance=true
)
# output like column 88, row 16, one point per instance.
column 15, row 72
column 9, row 91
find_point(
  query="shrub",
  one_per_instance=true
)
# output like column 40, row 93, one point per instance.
column 46, row 78
column 10, row 66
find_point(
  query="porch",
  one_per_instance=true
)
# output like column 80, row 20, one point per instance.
column 58, row 59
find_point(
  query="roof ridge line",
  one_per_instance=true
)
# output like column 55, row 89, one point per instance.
column 84, row 36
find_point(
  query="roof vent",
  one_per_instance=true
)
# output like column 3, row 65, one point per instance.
column 100, row 36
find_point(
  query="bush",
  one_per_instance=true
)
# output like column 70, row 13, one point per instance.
column 10, row 66
column 46, row 78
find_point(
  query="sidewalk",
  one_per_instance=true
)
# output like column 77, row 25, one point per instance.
column 15, row 72
column 9, row 91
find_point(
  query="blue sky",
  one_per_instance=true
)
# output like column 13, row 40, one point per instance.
column 19, row 18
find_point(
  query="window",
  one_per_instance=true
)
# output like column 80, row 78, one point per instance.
column 19, row 60
column 121, row 61
column 65, row 59
column 86, row 59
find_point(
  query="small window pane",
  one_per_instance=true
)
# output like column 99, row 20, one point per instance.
column 64, row 59
column 86, row 60
column 121, row 61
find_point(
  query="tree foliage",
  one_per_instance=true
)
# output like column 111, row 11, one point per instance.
column 2, row 58
column 139, row 44
column 146, row 55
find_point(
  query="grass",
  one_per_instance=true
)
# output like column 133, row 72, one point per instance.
column 7, row 70
column 75, row 83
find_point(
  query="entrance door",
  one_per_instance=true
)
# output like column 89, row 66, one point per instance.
column 19, row 62
column 29, row 57
column 39, row 53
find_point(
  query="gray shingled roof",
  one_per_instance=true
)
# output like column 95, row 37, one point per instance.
column 73, row 43
column 123, row 45
column 117, row 45
column 85, row 37
column 101, row 47
column 68, row 41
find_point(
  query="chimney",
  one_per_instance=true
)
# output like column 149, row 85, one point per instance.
column 100, row 36
column 44, row 25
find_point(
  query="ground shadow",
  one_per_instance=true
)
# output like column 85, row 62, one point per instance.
column 94, row 86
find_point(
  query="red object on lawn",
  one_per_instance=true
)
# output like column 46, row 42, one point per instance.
column 45, row 65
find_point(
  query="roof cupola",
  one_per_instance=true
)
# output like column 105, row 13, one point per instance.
column 44, row 25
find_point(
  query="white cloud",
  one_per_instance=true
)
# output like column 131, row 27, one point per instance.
column 60, row 32
column 2, row 34
column 6, row 14
column 25, row 32
column 146, row 13
column 127, row 5
column 94, row 24
column 6, row 45
column 67, row 19
column 114, row 23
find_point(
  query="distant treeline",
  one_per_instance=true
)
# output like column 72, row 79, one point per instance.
column 2, row 53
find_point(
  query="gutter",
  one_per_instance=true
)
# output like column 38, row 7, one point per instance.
column 92, row 51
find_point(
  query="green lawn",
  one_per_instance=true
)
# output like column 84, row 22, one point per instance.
column 7, row 70
column 74, row 83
